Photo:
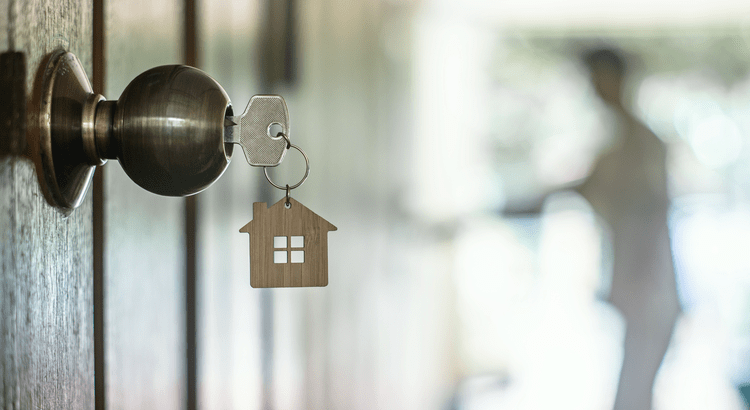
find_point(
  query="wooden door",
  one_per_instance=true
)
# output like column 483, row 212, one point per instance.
column 127, row 263
column 46, row 268
column 98, row 309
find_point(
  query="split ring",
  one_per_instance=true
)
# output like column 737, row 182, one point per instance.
column 307, row 171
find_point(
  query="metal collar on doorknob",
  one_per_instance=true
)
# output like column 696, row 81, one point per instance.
column 172, row 130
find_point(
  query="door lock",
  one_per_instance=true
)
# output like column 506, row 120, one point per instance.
column 173, row 130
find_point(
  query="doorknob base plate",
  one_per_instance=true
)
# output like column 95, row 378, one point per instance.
column 66, row 131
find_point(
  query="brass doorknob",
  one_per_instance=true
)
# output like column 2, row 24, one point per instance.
column 167, row 130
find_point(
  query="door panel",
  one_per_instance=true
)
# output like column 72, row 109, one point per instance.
column 46, row 273
column 144, row 248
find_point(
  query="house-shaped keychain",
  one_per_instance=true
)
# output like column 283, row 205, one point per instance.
column 288, row 246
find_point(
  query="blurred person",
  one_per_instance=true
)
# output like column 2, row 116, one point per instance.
column 627, row 187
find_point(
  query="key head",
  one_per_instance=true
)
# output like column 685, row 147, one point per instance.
column 261, row 147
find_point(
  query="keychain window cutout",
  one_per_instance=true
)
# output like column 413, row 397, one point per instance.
column 279, row 242
column 279, row 257
column 297, row 256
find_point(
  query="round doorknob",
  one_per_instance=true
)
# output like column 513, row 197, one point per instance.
column 166, row 130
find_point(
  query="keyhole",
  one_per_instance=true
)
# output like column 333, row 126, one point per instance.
column 274, row 129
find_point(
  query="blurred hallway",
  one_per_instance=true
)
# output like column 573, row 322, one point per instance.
column 422, row 120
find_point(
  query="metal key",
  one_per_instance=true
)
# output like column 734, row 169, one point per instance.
column 252, row 130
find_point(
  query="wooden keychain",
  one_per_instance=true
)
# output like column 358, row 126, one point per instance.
column 288, row 241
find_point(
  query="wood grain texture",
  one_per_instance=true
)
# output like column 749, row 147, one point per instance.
column 144, row 253
column 46, row 316
column 97, row 194
column 12, row 103
column 280, row 221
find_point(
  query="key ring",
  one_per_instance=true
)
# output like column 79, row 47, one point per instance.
column 287, row 188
